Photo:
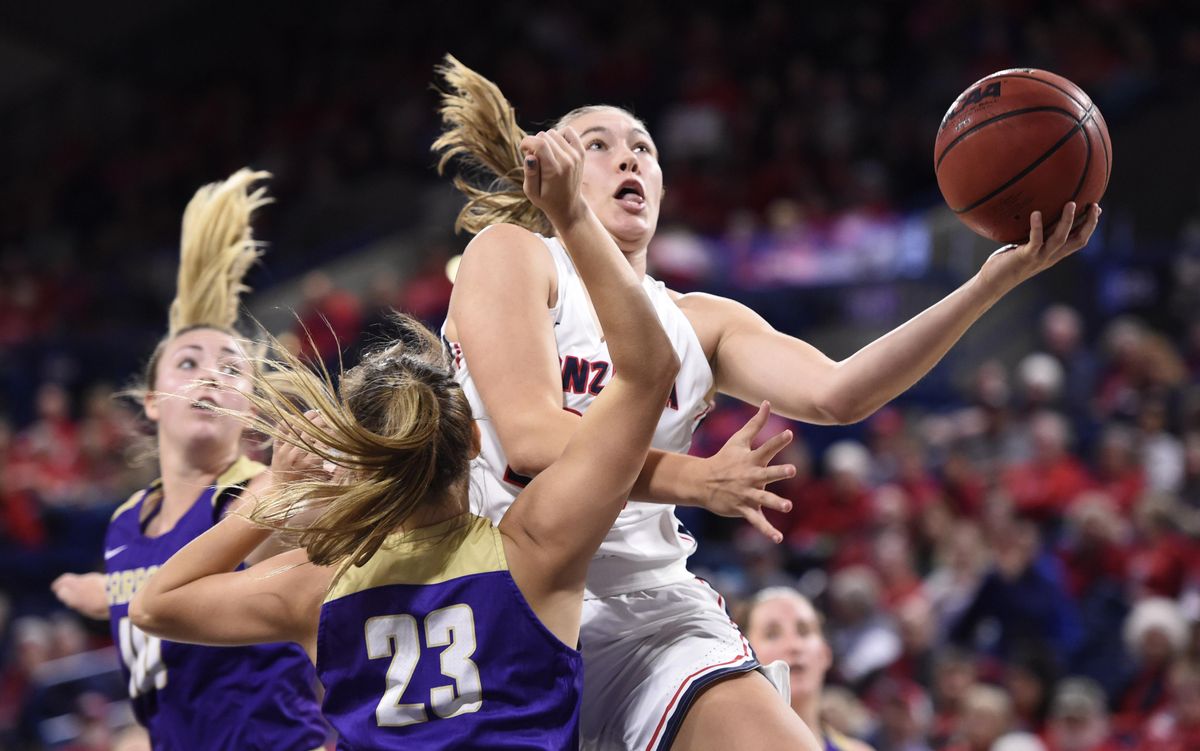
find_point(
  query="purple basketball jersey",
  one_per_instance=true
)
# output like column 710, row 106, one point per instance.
column 193, row 697
column 431, row 645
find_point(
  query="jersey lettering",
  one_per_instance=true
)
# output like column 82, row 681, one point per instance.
column 142, row 654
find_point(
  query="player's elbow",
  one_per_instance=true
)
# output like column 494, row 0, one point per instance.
column 659, row 369
column 841, row 409
column 145, row 613
column 529, row 454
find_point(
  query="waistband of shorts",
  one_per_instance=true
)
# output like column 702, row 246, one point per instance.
column 618, row 576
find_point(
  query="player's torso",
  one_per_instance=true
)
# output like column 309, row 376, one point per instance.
column 646, row 546
column 178, row 689
column 431, row 645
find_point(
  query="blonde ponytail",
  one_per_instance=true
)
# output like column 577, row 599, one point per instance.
column 216, row 250
column 401, row 429
column 481, row 132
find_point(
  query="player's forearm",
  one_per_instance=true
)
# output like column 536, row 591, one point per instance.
column 666, row 477
column 219, row 550
column 887, row 367
column 94, row 604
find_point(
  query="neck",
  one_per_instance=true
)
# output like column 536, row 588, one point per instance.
column 188, row 469
column 809, row 708
column 637, row 259
column 454, row 504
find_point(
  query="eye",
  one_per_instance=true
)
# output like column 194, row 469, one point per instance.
column 643, row 147
column 230, row 369
column 187, row 363
column 596, row 145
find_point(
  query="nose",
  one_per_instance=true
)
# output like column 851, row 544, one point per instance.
column 629, row 162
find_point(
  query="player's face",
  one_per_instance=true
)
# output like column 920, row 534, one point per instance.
column 198, row 370
column 622, row 180
column 787, row 629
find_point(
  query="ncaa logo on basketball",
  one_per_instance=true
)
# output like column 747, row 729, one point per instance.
column 974, row 96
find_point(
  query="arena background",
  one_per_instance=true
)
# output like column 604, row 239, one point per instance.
column 1026, row 514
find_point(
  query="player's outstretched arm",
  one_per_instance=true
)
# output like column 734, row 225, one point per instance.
column 806, row 385
column 84, row 593
column 555, row 526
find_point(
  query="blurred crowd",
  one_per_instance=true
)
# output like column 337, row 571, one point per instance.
column 1024, row 558
column 1017, row 557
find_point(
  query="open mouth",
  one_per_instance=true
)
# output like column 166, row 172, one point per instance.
column 631, row 194
column 205, row 403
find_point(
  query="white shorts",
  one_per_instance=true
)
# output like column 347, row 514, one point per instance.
column 646, row 656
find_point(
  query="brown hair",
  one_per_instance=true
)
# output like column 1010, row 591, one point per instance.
column 401, row 427
column 481, row 132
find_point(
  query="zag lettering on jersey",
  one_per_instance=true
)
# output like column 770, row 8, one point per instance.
column 583, row 376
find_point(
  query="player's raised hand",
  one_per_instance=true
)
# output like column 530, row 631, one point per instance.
column 734, row 479
column 290, row 461
column 553, row 171
column 1016, row 263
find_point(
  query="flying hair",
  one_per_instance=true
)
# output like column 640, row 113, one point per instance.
column 400, row 429
column 481, row 133
column 216, row 250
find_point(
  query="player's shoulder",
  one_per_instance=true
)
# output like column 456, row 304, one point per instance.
column 243, row 470
column 509, row 237
column 133, row 500
column 502, row 250
column 712, row 315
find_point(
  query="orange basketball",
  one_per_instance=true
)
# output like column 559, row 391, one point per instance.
column 1020, row 141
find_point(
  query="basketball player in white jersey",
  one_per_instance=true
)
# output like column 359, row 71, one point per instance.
column 664, row 665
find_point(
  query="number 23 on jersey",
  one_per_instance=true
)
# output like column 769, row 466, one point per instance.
column 397, row 637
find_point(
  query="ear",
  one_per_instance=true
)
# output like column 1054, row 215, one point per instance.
column 476, row 440
column 150, row 405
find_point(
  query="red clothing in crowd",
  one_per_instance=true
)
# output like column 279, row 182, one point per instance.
column 329, row 326
column 1160, row 567
column 818, row 511
column 1087, row 565
column 1042, row 491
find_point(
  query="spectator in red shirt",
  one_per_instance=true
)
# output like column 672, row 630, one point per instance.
column 1092, row 551
column 50, row 450
column 1117, row 468
column 1043, row 487
column 329, row 322
column 833, row 517
column 1160, row 560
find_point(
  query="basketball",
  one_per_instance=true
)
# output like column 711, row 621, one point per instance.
column 1020, row 141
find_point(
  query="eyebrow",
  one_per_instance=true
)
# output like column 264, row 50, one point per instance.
column 225, row 350
column 606, row 131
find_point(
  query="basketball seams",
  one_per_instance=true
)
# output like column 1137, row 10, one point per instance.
column 1003, row 115
column 1079, row 125
column 1052, row 85
column 1087, row 162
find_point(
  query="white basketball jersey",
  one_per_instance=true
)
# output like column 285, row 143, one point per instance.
column 647, row 546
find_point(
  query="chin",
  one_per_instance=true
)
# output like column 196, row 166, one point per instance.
column 631, row 232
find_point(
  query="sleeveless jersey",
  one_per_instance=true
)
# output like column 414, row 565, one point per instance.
column 188, row 696
column 431, row 645
column 647, row 546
